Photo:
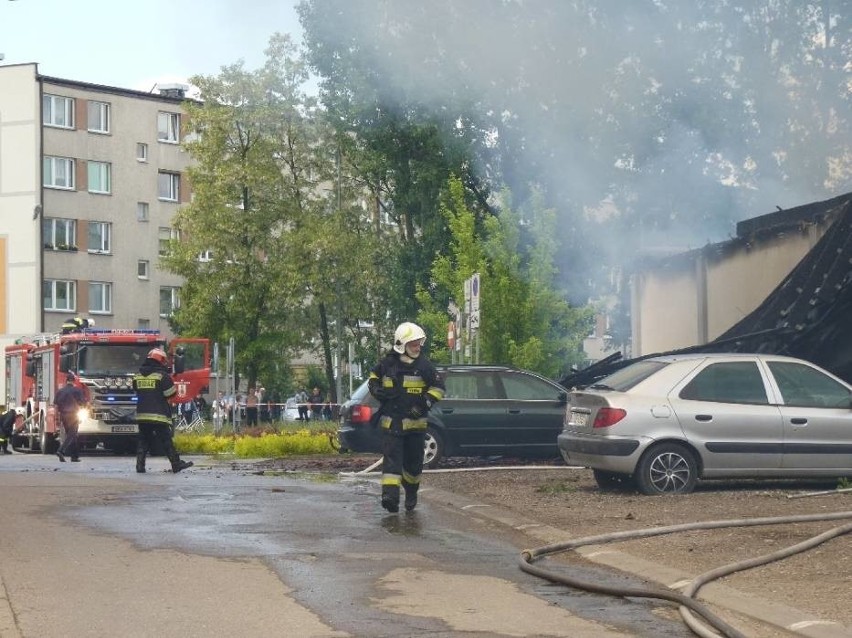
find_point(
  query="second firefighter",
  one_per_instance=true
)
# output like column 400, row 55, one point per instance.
column 154, row 389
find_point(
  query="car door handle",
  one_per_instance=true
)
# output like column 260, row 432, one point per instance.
column 447, row 410
column 703, row 417
column 799, row 421
column 514, row 411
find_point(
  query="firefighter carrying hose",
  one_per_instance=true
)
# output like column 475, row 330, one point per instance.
column 407, row 385
column 154, row 387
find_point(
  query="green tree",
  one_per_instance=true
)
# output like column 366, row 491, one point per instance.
column 524, row 320
column 270, row 230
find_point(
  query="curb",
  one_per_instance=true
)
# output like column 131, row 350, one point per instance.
column 783, row 617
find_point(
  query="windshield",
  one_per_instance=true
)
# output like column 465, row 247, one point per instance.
column 98, row 360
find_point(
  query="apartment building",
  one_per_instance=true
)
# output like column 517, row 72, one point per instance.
column 90, row 179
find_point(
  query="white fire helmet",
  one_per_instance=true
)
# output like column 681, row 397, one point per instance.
column 406, row 332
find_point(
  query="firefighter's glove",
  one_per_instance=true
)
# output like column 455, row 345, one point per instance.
column 422, row 407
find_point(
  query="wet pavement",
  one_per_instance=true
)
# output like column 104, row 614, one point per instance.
column 363, row 572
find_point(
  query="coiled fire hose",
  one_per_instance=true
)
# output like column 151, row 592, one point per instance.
column 686, row 600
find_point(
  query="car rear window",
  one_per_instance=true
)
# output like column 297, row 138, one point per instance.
column 628, row 377
column 361, row 393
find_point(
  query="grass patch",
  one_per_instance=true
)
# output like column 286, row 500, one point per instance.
column 556, row 488
column 258, row 444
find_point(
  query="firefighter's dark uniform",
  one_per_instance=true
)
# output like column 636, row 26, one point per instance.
column 406, row 390
column 154, row 386
column 7, row 427
column 68, row 400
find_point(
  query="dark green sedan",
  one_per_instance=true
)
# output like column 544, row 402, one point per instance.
column 486, row 411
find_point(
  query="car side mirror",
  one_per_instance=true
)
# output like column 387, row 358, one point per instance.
column 563, row 398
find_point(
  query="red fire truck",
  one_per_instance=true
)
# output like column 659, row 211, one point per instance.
column 102, row 362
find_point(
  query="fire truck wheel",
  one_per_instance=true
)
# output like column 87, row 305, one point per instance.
column 47, row 442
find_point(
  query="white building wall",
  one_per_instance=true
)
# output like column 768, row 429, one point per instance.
column 20, row 193
column 693, row 298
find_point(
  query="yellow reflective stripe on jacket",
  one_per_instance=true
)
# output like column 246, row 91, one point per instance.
column 149, row 417
column 411, row 382
column 435, row 392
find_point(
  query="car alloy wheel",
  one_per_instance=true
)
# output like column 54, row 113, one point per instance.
column 433, row 448
column 668, row 468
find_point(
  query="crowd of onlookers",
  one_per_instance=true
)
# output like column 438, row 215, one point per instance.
column 254, row 407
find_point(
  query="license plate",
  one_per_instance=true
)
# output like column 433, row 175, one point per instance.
column 123, row 428
column 580, row 419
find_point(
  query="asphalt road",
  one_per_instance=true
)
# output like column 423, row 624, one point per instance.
column 94, row 549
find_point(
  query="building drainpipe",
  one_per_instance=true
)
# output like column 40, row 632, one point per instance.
column 701, row 298
column 38, row 212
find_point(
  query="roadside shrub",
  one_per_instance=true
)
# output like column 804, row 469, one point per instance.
column 256, row 444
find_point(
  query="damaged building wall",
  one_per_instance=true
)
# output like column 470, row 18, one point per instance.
column 692, row 298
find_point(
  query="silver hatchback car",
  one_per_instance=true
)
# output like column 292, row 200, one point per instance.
column 665, row 422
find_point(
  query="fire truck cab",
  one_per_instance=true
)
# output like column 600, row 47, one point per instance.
column 102, row 362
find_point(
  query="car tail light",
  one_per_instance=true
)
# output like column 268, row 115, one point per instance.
column 361, row 414
column 609, row 416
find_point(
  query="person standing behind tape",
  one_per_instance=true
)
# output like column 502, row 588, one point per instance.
column 154, row 387
column 407, row 384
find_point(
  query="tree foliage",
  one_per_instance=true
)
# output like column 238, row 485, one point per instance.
column 653, row 124
column 280, row 230
column 525, row 322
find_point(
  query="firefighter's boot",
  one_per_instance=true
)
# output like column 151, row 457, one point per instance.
column 174, row 459
column 141, row 453
column 181, row 465
column 390, row 498
column 410, row 497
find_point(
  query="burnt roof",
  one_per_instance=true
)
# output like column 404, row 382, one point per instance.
column 808, row 315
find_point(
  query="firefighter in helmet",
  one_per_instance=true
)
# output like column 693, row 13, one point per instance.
column 154, row 387
column 76, row 324
column 407, row 384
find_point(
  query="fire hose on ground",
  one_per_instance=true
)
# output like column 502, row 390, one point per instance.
column 686, row 601
column 688, row 606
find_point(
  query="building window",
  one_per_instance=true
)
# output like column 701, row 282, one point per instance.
column 99, row 177
column 141, row 211
column 169, row 300
column 100, row 297
column 165, row 236
column 60, row 234
column 143, row 324
column 58, row 172
column 99, row 117
column 141, row 151
column 59, row 294
column 142, row 268
column 168, row 186
column 168, row 127
column 205, row 256
column 57, row 111
column 100, row 237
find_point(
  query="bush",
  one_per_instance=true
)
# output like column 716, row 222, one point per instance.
column 256, row 444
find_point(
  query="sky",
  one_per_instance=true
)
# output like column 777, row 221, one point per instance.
column 135, row 44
